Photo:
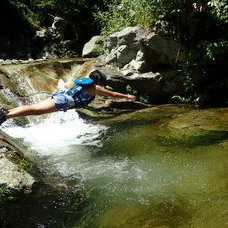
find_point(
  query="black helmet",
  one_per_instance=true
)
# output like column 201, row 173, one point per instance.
column 97, row 76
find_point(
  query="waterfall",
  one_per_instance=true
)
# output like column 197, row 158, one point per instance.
column 28, row 84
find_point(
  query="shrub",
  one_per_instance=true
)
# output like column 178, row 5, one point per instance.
column 123, row 13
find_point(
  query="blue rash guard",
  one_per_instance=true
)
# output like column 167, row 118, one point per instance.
column 73, row 98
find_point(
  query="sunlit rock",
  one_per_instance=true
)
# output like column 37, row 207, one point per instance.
column 14, row 177
column 142, row 50
column 90, row 47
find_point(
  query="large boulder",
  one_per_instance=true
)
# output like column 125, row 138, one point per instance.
column 122, row 47
column 141, row 50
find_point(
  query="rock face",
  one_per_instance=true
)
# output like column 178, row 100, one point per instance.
column 53, row 43
column 159, row 86
column 148, row 62
column 152, row 63
column 156, row 87
column 138, row 49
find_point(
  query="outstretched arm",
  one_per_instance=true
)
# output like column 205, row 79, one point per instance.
column 99, row 90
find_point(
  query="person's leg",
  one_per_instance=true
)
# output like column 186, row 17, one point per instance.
column 46, row 106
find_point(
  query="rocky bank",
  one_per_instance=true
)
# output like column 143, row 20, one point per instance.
column 18, row 173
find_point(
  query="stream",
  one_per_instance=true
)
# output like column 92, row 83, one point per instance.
column 160, row 167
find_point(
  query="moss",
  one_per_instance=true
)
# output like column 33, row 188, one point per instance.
column 16, row 153
column 7, row 194
column 22, row 162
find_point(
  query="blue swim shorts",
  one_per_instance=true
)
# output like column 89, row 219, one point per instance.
column 63, row 101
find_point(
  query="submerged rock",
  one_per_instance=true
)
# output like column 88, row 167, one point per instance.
column 103, row 109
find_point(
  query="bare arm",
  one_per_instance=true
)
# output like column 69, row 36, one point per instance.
column 98, row 90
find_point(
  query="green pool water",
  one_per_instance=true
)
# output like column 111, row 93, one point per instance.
column 160, row 167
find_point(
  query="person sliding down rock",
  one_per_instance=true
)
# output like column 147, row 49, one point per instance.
column 79, row 96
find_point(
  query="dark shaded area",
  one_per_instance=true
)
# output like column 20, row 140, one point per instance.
column 16, row 38
column 47, row 207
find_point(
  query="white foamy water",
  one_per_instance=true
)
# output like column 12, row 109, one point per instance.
column 58, row 133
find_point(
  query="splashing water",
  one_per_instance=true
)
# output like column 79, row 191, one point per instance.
column 57, row 133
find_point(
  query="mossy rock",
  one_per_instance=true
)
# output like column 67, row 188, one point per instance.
column 19, row 173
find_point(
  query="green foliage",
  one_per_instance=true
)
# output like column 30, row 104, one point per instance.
column 58, row 7
column 115, row 19
column 69, row 9
column 183, row 100
column 130, row 90
column 22, row 162
column 32, row 18
column 210, row 51
column 205, row 53
column 219, row 9
column 7, row 194
column 144, row 99
column 123, row 13
column 202, row 59
column 109, row 87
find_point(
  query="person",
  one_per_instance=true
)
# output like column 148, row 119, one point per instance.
column 62, row 101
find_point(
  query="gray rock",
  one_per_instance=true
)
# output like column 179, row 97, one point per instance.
column 7, row 61
column 89, row 47
column 141, row 50
column 14, row 177
column 158, row 86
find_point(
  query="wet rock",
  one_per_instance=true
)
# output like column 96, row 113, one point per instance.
column 46, row 76
column 17, row 172
column 14, row 177
column 103, row 109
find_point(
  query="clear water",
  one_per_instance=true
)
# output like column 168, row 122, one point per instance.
column 161, row 167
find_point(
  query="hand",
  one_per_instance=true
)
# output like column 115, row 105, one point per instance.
column 132, row 97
